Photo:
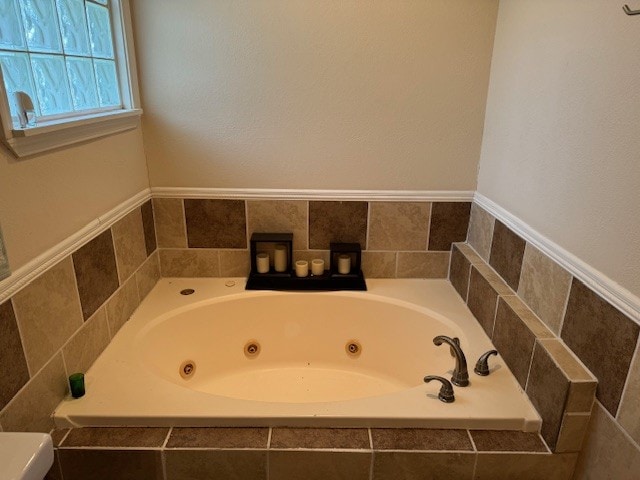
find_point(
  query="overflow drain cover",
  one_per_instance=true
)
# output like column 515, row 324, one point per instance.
column 187, row 291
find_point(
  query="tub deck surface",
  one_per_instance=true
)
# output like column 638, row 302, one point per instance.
column 129, row 384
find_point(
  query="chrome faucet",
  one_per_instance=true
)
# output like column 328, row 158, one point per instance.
column 460, row 375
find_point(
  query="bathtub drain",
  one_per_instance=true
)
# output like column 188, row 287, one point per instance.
column 187, row 369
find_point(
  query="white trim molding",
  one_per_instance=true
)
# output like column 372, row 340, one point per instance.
column 612, row 292
column 25, row 274
column 322, row 195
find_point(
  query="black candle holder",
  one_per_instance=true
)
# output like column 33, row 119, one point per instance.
column 330, row 279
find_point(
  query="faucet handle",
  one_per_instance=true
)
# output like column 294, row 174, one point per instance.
column 446, row 391
column 482, row 366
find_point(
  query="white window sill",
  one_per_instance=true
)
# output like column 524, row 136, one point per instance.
column 61, row 133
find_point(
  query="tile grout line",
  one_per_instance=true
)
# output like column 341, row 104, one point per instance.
column 566, row 308
column 426, row 249
column 163, row 453
column 634, row 359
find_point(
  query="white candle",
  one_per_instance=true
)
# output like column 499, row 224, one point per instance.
column 280, row 258
column 262, row 262
column 344, row 264
column 302, row 268
column 317, row 266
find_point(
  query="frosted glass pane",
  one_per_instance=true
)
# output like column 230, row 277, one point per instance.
column 107, row 80
column 100, row 31
column 73, row 26
column 17, row 76
column 11, row 36
column 51, row 83
column 82, row 82
column 41, row 26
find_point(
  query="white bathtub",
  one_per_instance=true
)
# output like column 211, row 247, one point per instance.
column 302, row 374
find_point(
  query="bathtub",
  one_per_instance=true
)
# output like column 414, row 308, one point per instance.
column 223, row 356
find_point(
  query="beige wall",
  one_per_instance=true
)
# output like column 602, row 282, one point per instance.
column 46, row 198
column 562, row 137
column 314, row 94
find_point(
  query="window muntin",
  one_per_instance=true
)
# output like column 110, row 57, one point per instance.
column 61, row 53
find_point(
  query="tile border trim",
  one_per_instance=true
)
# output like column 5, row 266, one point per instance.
column 326, row 195
column 619, row 297
column 25, row 274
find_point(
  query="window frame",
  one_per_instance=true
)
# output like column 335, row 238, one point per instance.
column 62, row 132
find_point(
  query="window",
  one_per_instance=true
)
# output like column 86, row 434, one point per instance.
column 73, row 58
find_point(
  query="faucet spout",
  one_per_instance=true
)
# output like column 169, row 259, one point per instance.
column 460, row 375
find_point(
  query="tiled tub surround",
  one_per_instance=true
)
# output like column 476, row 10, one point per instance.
column 604, row 339
column 304, row 453
column 61, row 321
column 558, row 385
column 209, row 237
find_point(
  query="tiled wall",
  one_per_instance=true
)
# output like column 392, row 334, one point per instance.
column 603, row 338
column 61, row 321
column 529, row 305
column 305, row 453
column 202, row 237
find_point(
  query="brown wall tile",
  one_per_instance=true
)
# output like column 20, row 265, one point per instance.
column 507, row 441
column 607, row 453
column 398, row 225
column 482, row 300
column 216, row 464
column 548, row 389
column 514, row 341
column 170, row 226
column 30, row 410
column 520, row 466
column 480, row 234
column 96, row 272
column 337, row 222
column 379, row 264
column 459, row 272
column 129, row 243
column 148, row 275
column 96, row 464
column 124, row 437
column 149, row 227
column 420, row 439
column 603, row 338
column 189, row 263
column 48, row 313
column 544, row 286
column 581, row 396
column 204, row 437
column 121, row 306
column 280, row 216
column 423, row 264
column 87, row 344
column 449, row 223
column 318, row 465
column 215, row 223
column 334, row 438
column 421, row 465
column 507, row 251
column 13, row 365
column 629, row 413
